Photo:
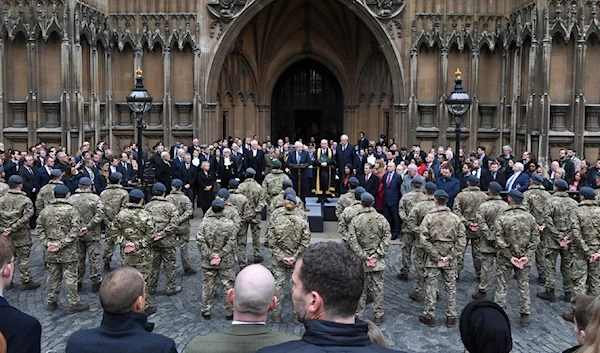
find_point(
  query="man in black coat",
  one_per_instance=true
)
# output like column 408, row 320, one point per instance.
column 368, row 180
column 43, row 173
column 188, row 174
column 126, row 169
column 493, row 174
column 124, row 325
column 255, row 159
column 345, row 155
column 363, row 143
column 23, row 333
column 299, row 157
column 30, row 185
column 164, row 171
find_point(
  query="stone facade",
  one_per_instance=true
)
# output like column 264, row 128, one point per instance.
column 214, row 69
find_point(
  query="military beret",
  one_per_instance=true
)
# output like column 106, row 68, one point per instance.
column 536, row 177
column 418, row 179
column 136, row 193
column 15, row 179
column 353, row 181
column 233, row 182
column 1, row 169
column 250, row 171
column 276, row 163
column 218, row 203
column 116, row 176
column 223, row 193
column 291, row 198
column 441, row 194
column 289, row 191
column 561, row 183
column 61, row 190
column 56, row 172
column 495, row 186
column 177, row 183
column 287, row 183
column 587, row 192
column 360, row 190
column 473, row 179
column 85, row 181
column 430, row 185
column 516, row 194
column 367, row 198
column 160, row 187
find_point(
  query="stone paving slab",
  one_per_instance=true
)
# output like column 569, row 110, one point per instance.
column 179, row 316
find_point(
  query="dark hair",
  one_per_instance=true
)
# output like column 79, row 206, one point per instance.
column 482, row 148
column 7, row 250
column 349, row 166
column 336, row 273
column 217, row 209
column 120, row 289
column 131, row 198
column 583, row 310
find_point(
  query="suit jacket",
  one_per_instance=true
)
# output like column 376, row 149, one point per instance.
column 128, row 174
column 391, row 192
column 521, row 183
column 42, row 176
column 10, row 169
column 346, row 157
column 23, row 333
column 188, row 176
column 99, row 180
column 173, row 151
column 239, row 161
column 130, row 330
column 239, row 339
column 257, row 163
column 163, row 172
column 177, row 163
column 363, row 144
column 486, row 179
column 371, row 185
column 29, row 181
column 292, row 160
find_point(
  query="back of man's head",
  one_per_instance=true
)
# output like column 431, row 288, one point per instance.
column 121, row 289
column 336, row 273
column 253, row 293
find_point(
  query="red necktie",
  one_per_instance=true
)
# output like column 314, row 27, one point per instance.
column 389, row 179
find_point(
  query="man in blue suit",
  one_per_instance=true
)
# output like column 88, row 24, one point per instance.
column 391, row 197
column 345, row 155
column 23, row 333
column 299, row 157
column 518, row 180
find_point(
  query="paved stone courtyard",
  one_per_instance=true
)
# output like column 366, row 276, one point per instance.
column 179, row 316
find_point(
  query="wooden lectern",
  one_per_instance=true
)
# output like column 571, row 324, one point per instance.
column 299, row 168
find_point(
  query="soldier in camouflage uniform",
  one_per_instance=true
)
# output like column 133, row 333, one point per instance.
column 443, row 239
column 3, row 185
column 15, row 211
column 114, row 198
column 289, row 235
column 405, row 205
column 59, row 228
column 242, row 205
column 280, row 206
column 216, row 241
column 348, row 198
column 272, row 183
column 486, row 243
column 517, row 238
column 230, row 210
column 165, row 217
column 537, row 198
column 256, row 196
column 46, row 193
column 465, row 206
column 279, row 201
column 91, row 212
column 185, row 210
column 349, row 213
column 133, row 229
column 369, row 237
column 413, row 224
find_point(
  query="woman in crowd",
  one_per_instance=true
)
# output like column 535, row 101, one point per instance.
column 206, row 184
column 196, row 158
column 226, row 167
column 579, row 181
column 586, row 325
column 379, row 171
column 105, row 170
column 429, row 175
column 485, row 328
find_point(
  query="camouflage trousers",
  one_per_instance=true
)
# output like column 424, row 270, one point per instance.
column 408, row 241
column 373, row 285
column 145, row 269
column 182, row 242
column 565, row 268
column 22, row 254
column 93, row 249
column 282, row 274
column 109, row 248
column 476, row 258
column 167, row 257
column 503, row 274
column 419, row 270
column 56, row 272
column 486, row 261
column 585, row 273
column 540, row 259
column 431, row 279
column 209, row 288
column 242, row 242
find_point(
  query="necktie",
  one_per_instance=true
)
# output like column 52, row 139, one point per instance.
column 125, row 166
column 30, row 171
column 494, row 176
column 297, row 157
column 510, row 182
column 389, row 179
column 368, row 176
column 187, row 166
column 344, row 148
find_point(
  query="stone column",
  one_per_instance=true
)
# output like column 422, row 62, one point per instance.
column 167, row 108
column 592, row 118
column 197, row 113
column 68, row 120
column 544, row 97
column 516, row 97
column 442, row 113
column 578, row 116
column 111, row 108
column 3, row 103
column 33, row 104
column 503, row 112
column 95, row 87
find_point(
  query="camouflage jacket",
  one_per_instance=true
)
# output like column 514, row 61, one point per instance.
column 241, row 204
column 272, row 182
column 561, row 208
column 289, row 235
column 370, row 234
column 442, row 234
column 344, row 201
column 516, row 233
column 185, row 210
column 165, row 217
column 60, row 223
column 45, row 195
column 466, row 205
column 91, row 211
column 536, row 198
column 15, row 211
column 408, row 201
column 417, row 213
column 279, row 201
column 114, row 197
column 296, row 211
column 488, row 212
column 256, row 196
column 217, row 234
column 346, row 217
column 230, row 212
column 585, row 232
column 3, row 187
column 134, row 225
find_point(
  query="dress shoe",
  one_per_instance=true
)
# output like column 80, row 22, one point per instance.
column 79, row 287
column 206, row 316
column 541, row 280
column 276, row 318
column 96, row 287
column 525, row 320
column 416, row 296
column 450, row 322
column 31, row 285
column 10, row 286
column 429, row 321
column 189, row 271
column 570, row 317
column 547, row 295
column 326, row 200
column 229, row 317
column 174, row 291
column 567, row 297
column 378, row 320
column 151, row 291
column 479, row 295
column 402, row 277
column 394, row 236
column 51, row 306
column 150, row 310
column 258, row 259
column 306, row 209
column 77, row 308
column 296, row 320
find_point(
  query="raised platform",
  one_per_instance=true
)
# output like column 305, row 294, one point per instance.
column 329, row 210
column 315, row 215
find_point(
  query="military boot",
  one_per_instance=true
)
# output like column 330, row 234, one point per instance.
column 479, row 295
column 450, row 322
column 30, row 285
column 429, row 321
column 570, row 317
column 151, row 309
column 189, row 271
column 51, row 306
column 77, row 308
column 547, row 295
column 567, row 297
column 403, row 277
column 525, row 320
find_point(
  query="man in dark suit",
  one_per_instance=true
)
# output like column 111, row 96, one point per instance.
column 43, row 172
column 345, row 155
column 124, row 323
column 22, row 332
column 238, row 158
column 175, row 148
column 252, row 296
column 493, row 174
column 567, row 164
column 299, row 157
column 255, row 159
column 482, row 157
column 126, row 169
column 178, row 158
column 519, row 180
column 368, row 180
column 188, row 173
column 362, row 143
column 164, row 171
column 92, row 172
column 30, row 185
column 156, row 157
column 391, row 197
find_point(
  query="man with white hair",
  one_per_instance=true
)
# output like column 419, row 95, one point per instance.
column 164, row 170
column 518, row 180
column 345, row 155
column 252, row 296
column 407, row 180
column 324, row 166
column 299, row 157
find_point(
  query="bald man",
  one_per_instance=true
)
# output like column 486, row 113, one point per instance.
column 252, row 297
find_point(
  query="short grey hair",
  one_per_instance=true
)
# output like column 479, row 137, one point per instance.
column 162, row 155
column 520, row 166
column 507, row 147
column 412, row 167
column 203, row 164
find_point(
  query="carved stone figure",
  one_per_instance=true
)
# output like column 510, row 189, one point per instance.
column 226, row 9
column 385, row 8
